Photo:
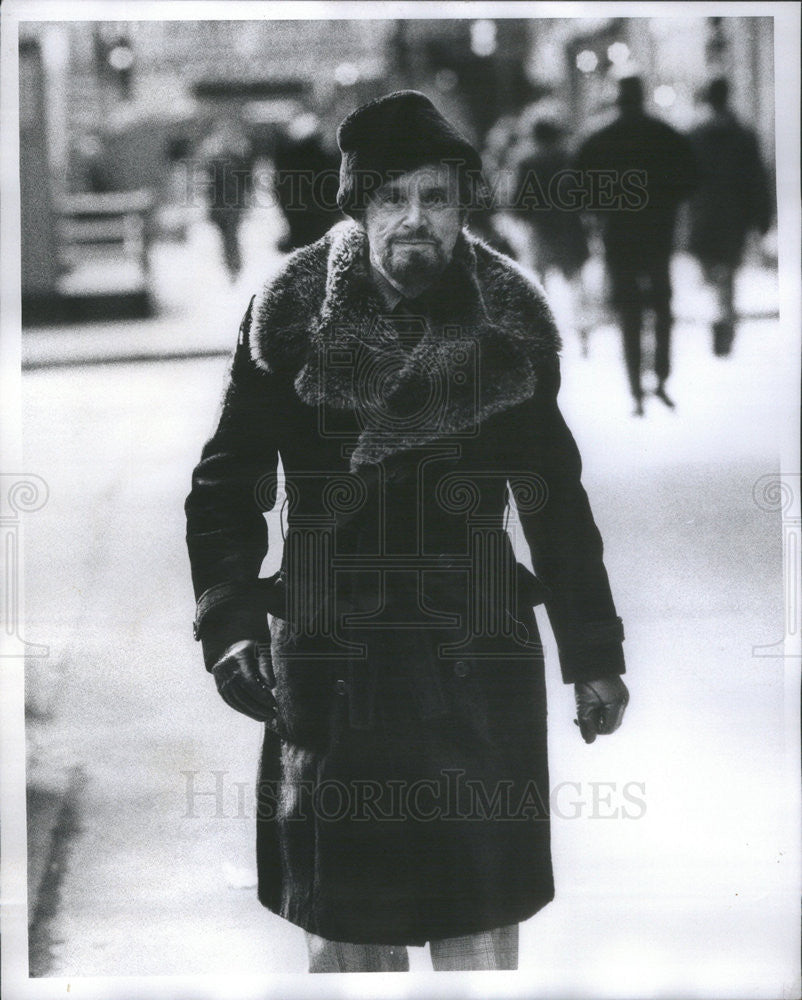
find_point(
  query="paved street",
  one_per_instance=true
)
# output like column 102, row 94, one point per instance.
column 694, row 892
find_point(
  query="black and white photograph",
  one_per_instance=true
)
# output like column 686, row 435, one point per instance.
column 400, row 500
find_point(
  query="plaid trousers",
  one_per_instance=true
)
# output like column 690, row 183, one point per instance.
column 493, row 949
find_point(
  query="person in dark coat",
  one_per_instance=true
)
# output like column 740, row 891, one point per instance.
column 406, row 375
column 558, row 239
column 732, row 199
column 306, row 179
column 486, row 220
column 547, row 206
column 635, row 172
column 228, row 161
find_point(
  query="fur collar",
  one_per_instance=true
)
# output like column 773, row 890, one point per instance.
column 489, row 343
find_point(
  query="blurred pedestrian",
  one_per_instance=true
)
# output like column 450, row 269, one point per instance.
column 733, row 198
column 500, row 149
column 483, row 220
column 546, row 203
column 228, row 164
column 306, row 178
column 486, row 218
column 634, row 173
column 91, row 170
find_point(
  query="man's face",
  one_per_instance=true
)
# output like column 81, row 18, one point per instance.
column 412, row 224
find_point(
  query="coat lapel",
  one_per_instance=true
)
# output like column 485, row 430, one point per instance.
column 464, row 368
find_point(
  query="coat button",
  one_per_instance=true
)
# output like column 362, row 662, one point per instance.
column 461, row 668
column 340, row 686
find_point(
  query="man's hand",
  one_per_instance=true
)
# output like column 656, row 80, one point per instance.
column 600, row 706
column 244, row 677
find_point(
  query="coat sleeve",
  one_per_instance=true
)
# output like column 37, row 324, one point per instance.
column 563, row 539
column 226, row 527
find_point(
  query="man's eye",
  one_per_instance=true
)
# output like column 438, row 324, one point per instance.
column 434, row 198
column 391, row 198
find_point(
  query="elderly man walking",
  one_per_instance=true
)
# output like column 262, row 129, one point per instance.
column 406, row 375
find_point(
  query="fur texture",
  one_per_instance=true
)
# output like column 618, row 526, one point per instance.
column 490, row 342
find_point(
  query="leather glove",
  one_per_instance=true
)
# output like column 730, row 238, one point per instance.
column 600, row 706
column 244, row 678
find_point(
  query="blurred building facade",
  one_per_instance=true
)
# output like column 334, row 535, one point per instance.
column 39, row 265
column 579, row 59
column 115, row 106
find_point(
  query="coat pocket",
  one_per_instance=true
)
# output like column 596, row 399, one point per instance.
column 498, row 682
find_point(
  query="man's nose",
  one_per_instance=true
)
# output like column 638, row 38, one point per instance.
column 415, row 213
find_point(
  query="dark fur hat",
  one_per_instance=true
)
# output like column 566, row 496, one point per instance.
column 396, row 133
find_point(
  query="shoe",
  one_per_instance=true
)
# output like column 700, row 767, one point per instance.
column 638, row 411
column 663, row 396
column 723, row 337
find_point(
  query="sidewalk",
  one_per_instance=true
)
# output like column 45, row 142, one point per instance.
column 198, row 308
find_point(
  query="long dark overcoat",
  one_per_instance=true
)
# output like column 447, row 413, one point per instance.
column 733, row 196
column 403, row 791
column 559, row 233
column 635, row 171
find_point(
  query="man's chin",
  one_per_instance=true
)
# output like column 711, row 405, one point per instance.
column 411, row 263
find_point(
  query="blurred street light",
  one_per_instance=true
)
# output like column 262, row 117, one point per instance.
column 618, row 52
column 587, row 61
column 483, row 38
column 346, row 74
column 664, row 96
column 121, row 58
column 115, row 61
